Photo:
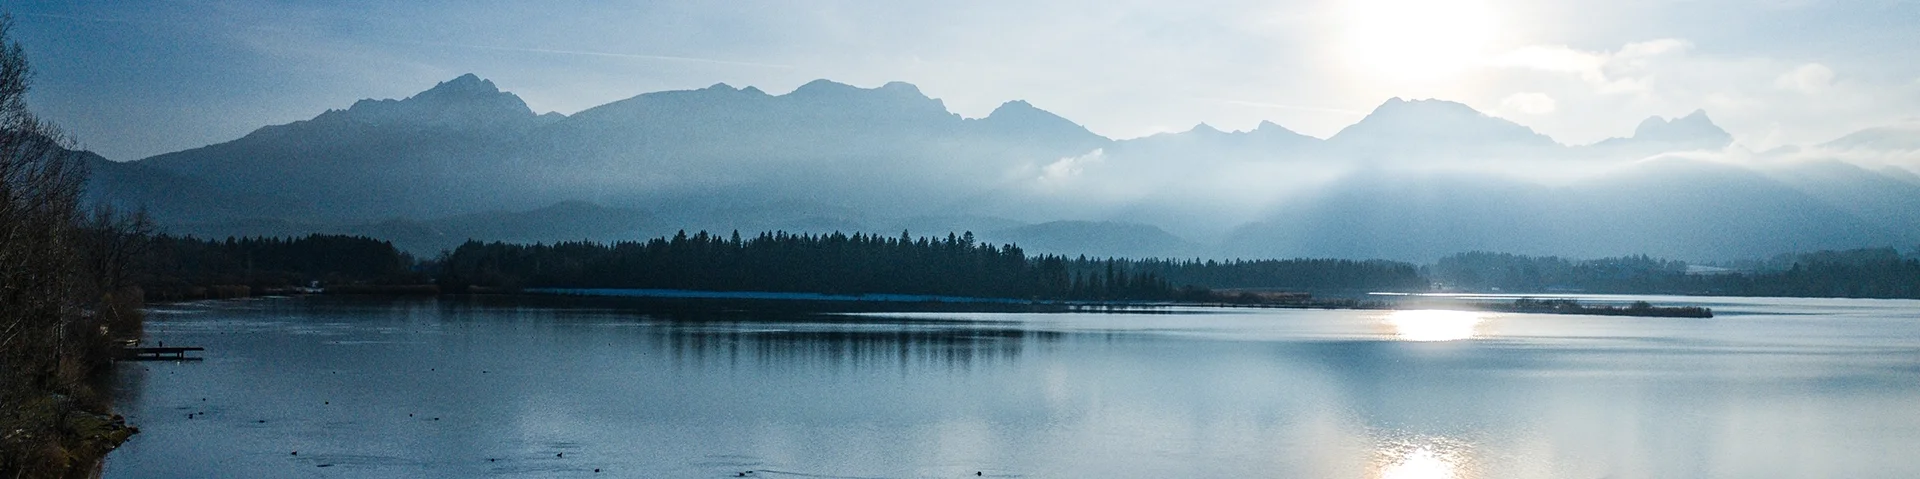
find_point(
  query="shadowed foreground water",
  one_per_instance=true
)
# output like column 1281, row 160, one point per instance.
column 458, row 388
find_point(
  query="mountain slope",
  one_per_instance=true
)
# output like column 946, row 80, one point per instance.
column 425, row 155
column 889, row 150
column 1426, row 131
column 175, row 198
column 1095, row 239
column 1659, row 135
column 1672, row 208
column 1412, row 180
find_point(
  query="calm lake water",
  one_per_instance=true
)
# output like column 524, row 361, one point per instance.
column 458, row 387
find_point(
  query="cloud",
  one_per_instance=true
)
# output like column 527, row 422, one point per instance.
column 1530, row 103
column 1073, row 166
column 1763, row 101
column 1625, row 70
column 1811, row 78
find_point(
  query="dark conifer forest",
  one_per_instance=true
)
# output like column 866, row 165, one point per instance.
column 836, row 263
column 174, row 264
column 170, row 267
column 1859, row 273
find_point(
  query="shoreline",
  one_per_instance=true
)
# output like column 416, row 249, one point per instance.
column 696, row 300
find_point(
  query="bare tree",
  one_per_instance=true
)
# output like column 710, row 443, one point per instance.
column 40, row 186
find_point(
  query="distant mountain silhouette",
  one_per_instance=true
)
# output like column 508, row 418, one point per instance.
column 1900, row 137
column 1097, row 239
column 175, row 198
column 567, row 221
column 1669, row 208
column 1429, row 130
column 1659, row 135
column 1204, row 143
column 890, row 149
column 1412, row 180
column 431, row 153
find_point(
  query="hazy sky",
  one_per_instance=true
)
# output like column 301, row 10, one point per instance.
column 132, row 79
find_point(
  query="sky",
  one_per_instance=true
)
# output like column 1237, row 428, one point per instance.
column 139, row 78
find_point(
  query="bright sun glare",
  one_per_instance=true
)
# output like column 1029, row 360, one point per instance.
column 1417, row 39
column 1421, row 464
column 1433, row 325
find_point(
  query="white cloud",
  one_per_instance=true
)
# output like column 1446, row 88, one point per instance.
column 1072, row 166
column 1621, row 71
column 1553, row 58
column 1764, row 102
column 1530, row 103
column 1810, row 78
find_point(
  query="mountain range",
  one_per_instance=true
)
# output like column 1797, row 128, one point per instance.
column 1412, row 180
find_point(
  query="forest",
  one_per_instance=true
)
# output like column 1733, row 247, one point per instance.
column 174, row 267
column 169, row 267
column 1858, row 273
column 835, row 263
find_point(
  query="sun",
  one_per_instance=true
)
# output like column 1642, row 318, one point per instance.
column 1416, row 40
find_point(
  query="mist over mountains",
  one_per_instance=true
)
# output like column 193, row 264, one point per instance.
column 1413, row 180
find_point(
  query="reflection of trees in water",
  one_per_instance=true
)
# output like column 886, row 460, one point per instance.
column 850, row 345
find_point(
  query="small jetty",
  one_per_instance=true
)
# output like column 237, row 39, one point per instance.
column 157, row 354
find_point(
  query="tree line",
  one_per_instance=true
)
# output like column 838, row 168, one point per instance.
column 958, row 265
column 834, row 263
column 1857, row 273
column 1299, row 274
column 178, row 267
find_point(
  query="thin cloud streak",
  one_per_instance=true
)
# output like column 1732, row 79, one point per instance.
column 637, row 56
column 74, row 18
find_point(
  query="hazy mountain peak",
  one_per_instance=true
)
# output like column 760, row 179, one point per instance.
column 1904, row 136
column 1402, row 127
column 1204, row 128
column 467, row 101
column 1020, row 114
column 829, row 89
column 894, row 98
column 901, row 87
column 463, row 85
column 1397, row 107
column 822, row 87
column 1694, row 129
column 1014, row 108
column 1274, row 130
column 1021, row 111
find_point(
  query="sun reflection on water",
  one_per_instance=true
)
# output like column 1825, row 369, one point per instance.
column 1425, row 458
column 1422, row 463
column 1433, row 325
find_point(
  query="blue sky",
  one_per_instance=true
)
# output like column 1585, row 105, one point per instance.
column 133, row 79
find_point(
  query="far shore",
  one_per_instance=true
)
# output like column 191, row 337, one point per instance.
column 879, row 302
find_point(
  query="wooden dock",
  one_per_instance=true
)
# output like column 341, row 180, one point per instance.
column 151, row 354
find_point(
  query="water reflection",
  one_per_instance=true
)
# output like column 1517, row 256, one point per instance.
column 1434, row 325
column 451, row 387
column 854, row 344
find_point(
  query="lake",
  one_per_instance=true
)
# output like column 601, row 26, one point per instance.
column 542, row 387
